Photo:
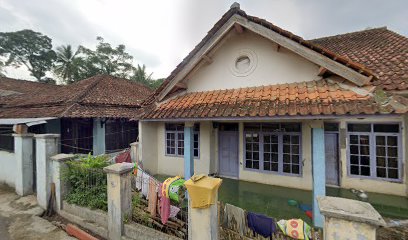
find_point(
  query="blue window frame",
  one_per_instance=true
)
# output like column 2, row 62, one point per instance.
column 374, row 150
column 273, row 147
column 175, row 139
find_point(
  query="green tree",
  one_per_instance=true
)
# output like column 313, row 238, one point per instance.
column 140, row 75
column 68, row 64
column 106, row 60
column 27, row 48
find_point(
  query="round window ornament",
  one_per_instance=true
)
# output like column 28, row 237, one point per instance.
column 244, row 63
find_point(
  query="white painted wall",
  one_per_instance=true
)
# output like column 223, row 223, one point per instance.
column 8, row 168
column 149, row 145
column 273, row 67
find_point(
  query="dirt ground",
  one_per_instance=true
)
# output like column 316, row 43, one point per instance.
column 19, row 219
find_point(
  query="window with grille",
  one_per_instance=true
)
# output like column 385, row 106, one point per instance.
column 273, row 147
column 6, row 138
column 175, row 139
column 374, row 150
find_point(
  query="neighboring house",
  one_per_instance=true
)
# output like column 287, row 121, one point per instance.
column 260, row 100
column 97, row 115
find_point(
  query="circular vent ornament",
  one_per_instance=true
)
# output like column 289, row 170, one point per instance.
column 244, row 63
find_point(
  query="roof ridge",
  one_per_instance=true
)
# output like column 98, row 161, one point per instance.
column 350, row 33
column 78, row 98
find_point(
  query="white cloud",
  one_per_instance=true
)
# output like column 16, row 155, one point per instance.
column 160, row 33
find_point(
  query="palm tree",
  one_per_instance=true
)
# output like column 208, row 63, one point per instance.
column 68, row 64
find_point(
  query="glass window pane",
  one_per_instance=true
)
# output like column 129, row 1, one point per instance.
column 255, row 156
column 274, row 157
column 267, row 148
column 248, row 164
column 290, row 127
column 393, row 173
column 364, row 150
column 353, row 139
column 256, row 127
column 286, row 148
column 392, row 141
column 380, row 140
column 381, row 172
column 387, row 128
column 353, row 159
column 364, row 139
column 286, row 168
column 380, row 151
column 295, row 149
column 195, row 152
column 275, row 147
column 170, row 126
column 270, row 127
column 359, row 127
column 393, row 162
column 256, row 164
column 267, row 167
column 286, row 158
column 381, row 162
column 295, row 139
column 354, row 149
column 295, row 169
column 275, row 167
column 392, row 151
column 354, row 170
column 365, row 160
column 295, row 159
column 334, row 127
column 365, row 171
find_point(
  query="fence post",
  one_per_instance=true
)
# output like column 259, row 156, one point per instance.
column 119, row 198
column 134, row 151
column 23, row 145
column 58, row 166
column 203, row 211
column 349, row 219
column 46, row 146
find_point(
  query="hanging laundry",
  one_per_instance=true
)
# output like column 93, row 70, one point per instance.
column 174, row 188
column 174, row 211
column 261, row 224
column 295, row 228
column 138, row 179
column 145, row 185
column 123, row 157
column 235, row 218
column 164, row 205
column 152, row 197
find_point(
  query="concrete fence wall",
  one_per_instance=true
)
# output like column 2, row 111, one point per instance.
column 8, row 168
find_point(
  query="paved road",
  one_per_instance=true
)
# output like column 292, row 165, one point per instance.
column 19, row 219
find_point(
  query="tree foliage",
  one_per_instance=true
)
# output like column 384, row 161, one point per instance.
column 28, row 48
column 140, row 75
column 68, row 64
column 106, row 59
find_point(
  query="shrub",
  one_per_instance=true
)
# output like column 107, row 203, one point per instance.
column 87, row 181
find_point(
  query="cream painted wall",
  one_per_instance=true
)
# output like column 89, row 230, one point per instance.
column 273, row 66
column 373, row 185
column 175, row 165
column 148, row 145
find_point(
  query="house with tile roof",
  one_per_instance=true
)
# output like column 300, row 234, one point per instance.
column 98, row 114
column 255, row 102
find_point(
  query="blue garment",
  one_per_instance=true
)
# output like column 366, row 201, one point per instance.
column 261, row 224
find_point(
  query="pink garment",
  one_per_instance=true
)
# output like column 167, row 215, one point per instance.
column 164, row 206
column 123, row 157
column 173, row 211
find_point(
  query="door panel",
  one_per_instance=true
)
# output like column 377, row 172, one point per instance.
column 332, row 160
column 228, row 153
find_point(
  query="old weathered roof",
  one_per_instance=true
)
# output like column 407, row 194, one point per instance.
column 236, row 10
column 98, row 96
column 381, row 50
column 321, row 97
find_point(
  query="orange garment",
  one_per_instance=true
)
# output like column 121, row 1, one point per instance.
column 152, row 197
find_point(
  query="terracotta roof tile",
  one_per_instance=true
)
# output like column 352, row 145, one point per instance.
column 381, row 50
column 322, row 97
column 98, row 96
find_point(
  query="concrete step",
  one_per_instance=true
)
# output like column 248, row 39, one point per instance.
column 91, row 226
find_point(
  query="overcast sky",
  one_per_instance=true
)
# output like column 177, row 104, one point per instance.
column 160, row 34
